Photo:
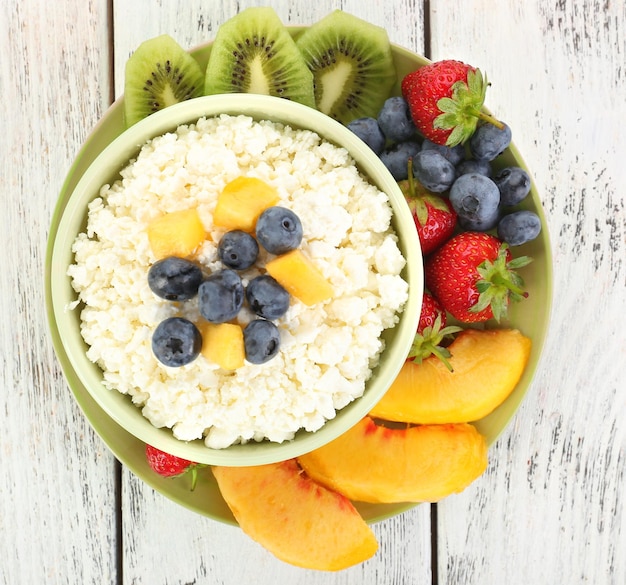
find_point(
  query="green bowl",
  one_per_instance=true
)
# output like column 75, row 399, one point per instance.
column 105, row 169
column 530, row 316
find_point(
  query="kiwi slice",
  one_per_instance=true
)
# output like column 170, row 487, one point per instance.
column 254, row 53
column 158, row 74
column 352, row 65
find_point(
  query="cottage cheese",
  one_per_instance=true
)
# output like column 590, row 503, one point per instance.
column 327, row 350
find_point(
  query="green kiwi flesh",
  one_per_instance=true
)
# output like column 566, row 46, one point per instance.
column 254, row 53
column 351, row 63
column 158, row 74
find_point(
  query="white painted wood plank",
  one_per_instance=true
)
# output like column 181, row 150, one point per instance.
column 193, row 22
column 162, row 542
column 57, row 490
column 550, row 509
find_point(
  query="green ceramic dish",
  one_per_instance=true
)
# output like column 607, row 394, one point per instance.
column 531, row 316
column 105, row 169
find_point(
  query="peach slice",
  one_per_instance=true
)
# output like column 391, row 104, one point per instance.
column 300, row 277
column 242, row 201
column 178, row 233
column 377, row 464
column 222, row 343
column 487, row 365
column 293, row 517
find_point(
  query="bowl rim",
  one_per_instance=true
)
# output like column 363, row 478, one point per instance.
column 121, row 150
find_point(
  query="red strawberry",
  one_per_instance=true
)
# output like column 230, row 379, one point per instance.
column 170, row 465
column 431, row 331
column 434, row 216
column 474, row 277
column 446, row 99
column 431, row 309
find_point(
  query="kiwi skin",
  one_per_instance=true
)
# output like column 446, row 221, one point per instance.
column 158, row 74
column 352, row 65
column 254, row 53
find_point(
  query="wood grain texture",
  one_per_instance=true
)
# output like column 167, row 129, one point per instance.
column 551, row 506
column 549, row 509
column 57, row 486
column 164, row 543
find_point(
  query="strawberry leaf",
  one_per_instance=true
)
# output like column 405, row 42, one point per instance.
column 418, row 196
column 500, row 284
column 418, row 209
column 429, row 342
column 461, row 111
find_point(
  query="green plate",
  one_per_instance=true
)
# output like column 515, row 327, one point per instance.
column 530, row 316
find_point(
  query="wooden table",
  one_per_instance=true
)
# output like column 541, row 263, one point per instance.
column 550, row 507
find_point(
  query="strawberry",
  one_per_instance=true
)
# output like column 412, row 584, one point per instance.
column 446, row 99
column 168, row 465
column 434, row 216
column 474, row 277
column 431, row 331
column 431, row 309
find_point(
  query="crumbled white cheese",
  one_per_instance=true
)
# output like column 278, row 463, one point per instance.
column 327, row 350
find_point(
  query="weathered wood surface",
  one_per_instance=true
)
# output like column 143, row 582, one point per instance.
column 550, row 508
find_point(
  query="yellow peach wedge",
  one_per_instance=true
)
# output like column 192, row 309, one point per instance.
column 296, row 519
column 222, row 344
column 377, row 464
column 241, row 202
column 486, row 367
column 300, row 277
column 176, row 234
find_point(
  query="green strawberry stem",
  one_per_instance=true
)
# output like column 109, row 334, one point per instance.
column 429, row 342
column 442, row 354
column 485, row 117
column 499, row 283
column 417, row 198
column 410, row 178
column 194, row 476
column 192, row 470
column 462, row 110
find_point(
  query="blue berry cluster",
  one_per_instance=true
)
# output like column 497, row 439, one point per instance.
column 483, row 201
column 177, row 341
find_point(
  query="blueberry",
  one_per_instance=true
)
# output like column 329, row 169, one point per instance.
column 433, row 170
column 455, row 154
column 396, row 158
column 519, row 227
column 368, row 130
column 266, row 297
column 261, row 341
column 238, row 250
column 472, row 165
column 176, row 342
column 395, row 120
column 475, row 198
column 514, row 185
column 279, row 230
column 174, row 279
column 482, row 224
column 220, row 296
column 488, row 141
